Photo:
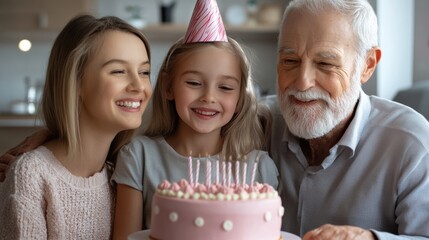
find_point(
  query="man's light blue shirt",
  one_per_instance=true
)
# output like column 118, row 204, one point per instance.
column 376, row 177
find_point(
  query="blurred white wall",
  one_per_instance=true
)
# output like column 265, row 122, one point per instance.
column 396, row 25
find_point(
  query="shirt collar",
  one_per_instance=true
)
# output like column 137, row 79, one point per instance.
column 354, row 131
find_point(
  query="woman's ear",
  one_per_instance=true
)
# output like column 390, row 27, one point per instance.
column 372, row 59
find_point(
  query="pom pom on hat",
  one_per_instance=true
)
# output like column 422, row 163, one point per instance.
column 206, row 23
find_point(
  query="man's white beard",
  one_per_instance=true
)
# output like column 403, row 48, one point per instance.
column 318, row 120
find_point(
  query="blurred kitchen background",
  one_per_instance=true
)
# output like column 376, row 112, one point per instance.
column 404, row 39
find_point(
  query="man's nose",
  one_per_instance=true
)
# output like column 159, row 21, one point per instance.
column 306, row 78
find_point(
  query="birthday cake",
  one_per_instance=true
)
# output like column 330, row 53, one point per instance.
column 224, row 210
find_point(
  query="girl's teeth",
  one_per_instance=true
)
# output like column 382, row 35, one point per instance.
column 205, row 112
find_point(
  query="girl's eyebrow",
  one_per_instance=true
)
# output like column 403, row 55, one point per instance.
column 199, row 73
column 191, row 72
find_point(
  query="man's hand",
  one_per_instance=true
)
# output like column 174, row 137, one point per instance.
column 332, row 232
column 29, row 143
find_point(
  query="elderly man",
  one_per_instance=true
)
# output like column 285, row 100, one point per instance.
column 351, row 166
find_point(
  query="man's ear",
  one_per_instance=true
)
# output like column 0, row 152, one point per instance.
column 372, row 59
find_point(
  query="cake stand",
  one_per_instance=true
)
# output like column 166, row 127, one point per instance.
column 144, row 235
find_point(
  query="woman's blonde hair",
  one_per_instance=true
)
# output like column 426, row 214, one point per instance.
column 241, row 135
column 75, row 45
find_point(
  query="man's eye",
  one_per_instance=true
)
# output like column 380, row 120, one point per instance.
column 326, row 64
column 289, row 61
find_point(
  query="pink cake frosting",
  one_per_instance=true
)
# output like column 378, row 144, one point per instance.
column 215, row 211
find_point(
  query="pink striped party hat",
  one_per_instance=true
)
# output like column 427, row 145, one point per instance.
column 206, row 23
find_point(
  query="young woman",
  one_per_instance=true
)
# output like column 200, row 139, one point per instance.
column 97, row 87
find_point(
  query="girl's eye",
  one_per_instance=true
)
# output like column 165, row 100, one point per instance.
column 226, row 88
column 193, row 83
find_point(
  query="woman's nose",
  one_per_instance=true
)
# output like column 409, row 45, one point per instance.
column 136, row 83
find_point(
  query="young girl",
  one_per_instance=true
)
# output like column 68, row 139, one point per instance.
column 203, row 105
column 97, row 87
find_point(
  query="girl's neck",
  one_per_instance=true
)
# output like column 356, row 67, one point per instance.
column 200, row 144
column 94, row 149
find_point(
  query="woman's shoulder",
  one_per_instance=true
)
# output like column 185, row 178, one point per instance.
column 26, row 173
column 33, row 161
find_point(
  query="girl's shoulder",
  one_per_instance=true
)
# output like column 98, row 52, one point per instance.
column 140, row 144
column 258, row 155
column 264, row 161
column 141, row 139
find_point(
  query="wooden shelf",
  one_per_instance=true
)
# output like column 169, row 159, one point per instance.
column 172, row 32
column 14, row 120
column 32, row 35
column 155, row 32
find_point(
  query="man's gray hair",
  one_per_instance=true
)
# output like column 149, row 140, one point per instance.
column 363, row 20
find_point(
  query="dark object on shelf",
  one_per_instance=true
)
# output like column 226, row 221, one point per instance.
column 167, row 12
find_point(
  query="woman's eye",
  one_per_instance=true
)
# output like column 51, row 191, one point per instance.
column 118, row 72
column 145, row 73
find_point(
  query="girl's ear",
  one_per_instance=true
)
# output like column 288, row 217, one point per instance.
column 169, row 91
column 169, row 94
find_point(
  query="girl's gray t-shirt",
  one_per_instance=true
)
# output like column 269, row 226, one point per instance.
column 146, row 162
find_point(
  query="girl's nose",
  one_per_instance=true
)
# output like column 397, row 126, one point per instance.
column 208, row 95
